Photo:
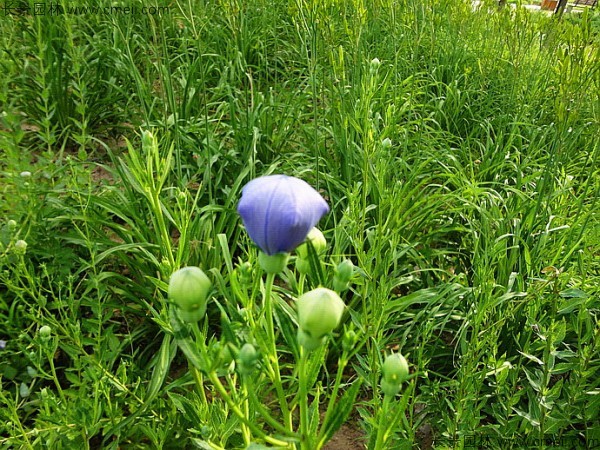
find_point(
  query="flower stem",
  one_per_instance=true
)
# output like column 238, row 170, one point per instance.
column 266, row 415
column 199, row 379
column 305, row 443
column 342, row 362
column 240, row 414
column 381, row 427
column 272, row 358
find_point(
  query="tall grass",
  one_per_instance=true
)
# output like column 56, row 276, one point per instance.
column 459, row 152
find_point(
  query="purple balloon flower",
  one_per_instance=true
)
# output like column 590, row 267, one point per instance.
column 279, row 211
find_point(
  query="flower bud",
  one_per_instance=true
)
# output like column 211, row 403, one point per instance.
column 395, row 372
column 45, row 332
column 302, row 265
column 188, row 289
column 386, row 143
column 317, row 240
column 342, row 276
column 349, row 340
column 245, row 273
column 344, row 270
column 20, row 247
column 247, row 358
column 12, row 225
column 374, row 66
column 319, row 313
column 395, row 368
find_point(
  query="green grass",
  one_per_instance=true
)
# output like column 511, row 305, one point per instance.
column 476, row 233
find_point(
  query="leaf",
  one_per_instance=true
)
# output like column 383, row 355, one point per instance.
column 159, row 373
column 199, row 443
column 341, row 411
column 185, row 407
column 573, row 293
column 534, row 380
column 532, row 358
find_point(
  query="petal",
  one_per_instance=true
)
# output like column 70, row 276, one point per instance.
column 279, row 211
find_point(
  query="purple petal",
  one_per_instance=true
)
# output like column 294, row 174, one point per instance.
column 279, row 211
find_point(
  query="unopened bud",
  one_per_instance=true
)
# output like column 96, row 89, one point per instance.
column 20, row 247
column 344, row 270
column 188, row 289
column 247, row 358
column 374, row 65
column 394, row 373
column 349, row 340
column 45, row 332
column 318, row 241
column 342, row 276
column 245, row 273
column 302, row 265
column 319, row 313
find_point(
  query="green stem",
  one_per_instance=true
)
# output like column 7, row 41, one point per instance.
column 238, row 412
column 381, row 428
column 50, row 358
column 245, row 430
column 265, row 414
column 272, row 358
column 199, row 379
column 342, row 362
column 305, row 442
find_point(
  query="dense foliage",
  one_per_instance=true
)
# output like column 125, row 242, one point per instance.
column 457, row 148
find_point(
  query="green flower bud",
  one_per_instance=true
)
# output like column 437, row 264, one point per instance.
column 12, row 225
column 302, row 265
column 245, row 273
column 340, row 286
column 273, row 263
column 374, row 65
column 319, row 313
column 395, row 368
column 386, row 143
column 349, row 340
column 45, row 332
column 344, row 270
column 20, row 247
column 317, row 240
column 247, row 358
column 188, row 289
